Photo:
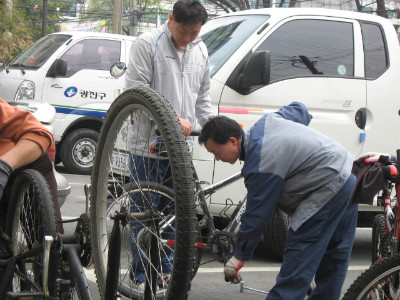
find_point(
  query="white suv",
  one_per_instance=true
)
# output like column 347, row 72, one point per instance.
column 344, row 66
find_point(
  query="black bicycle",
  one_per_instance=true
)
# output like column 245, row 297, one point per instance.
column 36, row 261
column 145, row 193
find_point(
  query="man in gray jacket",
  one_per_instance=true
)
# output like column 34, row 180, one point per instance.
column 173, row 61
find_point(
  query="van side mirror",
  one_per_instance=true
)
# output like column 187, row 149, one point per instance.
column 256, row 71
column 58, row 68
column 118, row 69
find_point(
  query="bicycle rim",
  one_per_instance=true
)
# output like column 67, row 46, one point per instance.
column 34, row 217
column 380, row 281
column 160, row 234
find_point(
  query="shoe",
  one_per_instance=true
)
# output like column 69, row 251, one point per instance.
column 164, row 280
column 140, row 286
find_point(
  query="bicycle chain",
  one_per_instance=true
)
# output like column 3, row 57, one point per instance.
column 85, row 237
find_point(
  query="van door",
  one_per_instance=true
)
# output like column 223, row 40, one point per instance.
column 88, row 88
column 82, row 97
column 317, row 61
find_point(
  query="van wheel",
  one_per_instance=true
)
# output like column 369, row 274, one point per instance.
column 274, row 237
column 78, row 149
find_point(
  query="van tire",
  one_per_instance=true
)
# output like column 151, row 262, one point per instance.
column 78, row 150
column 274, row 237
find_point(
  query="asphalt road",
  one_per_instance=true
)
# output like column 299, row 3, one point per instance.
column 259, row 273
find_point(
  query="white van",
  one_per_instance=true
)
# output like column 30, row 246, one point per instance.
column 70, row 71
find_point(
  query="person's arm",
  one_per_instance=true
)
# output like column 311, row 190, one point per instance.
column 371, row 157
column 140, row 66
column 24, row 153
column 23, row 140
column 264, row 191
column 203, row 103
column 17, row 125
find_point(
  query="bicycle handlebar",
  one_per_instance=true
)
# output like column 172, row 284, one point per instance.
column 195, row 132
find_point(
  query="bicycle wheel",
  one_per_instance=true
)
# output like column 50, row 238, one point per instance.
column 142, row 150
column 380, row 281
column 32, row 218
column 382, row 242
column 378, row 237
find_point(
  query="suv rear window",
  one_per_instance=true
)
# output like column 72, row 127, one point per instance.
column 375, row 53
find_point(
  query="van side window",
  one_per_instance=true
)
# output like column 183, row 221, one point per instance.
column 92, row 54
column 302, row 48
column 375, row 51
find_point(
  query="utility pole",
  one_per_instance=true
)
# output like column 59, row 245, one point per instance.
column 117, row 16
column 133, row 22
column 44, row 18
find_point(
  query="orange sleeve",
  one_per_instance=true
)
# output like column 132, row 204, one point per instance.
column 16, row 125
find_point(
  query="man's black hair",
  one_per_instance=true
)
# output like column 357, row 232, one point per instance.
column 189, row 12
column 220, row 129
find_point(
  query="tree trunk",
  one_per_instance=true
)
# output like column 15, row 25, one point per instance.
column 381, row 9
column 358, row 5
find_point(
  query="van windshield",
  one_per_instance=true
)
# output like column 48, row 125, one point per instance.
column 37, row 54
column 223, row 36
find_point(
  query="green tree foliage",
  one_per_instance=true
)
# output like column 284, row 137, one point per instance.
column 32, row 11
column 21, row 24
column 14, row 34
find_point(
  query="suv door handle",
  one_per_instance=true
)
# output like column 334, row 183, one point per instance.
column 361, row 117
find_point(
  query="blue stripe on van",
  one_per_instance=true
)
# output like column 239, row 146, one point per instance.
column 77, row 111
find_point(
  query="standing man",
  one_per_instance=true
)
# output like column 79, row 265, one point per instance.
column 308, row 176
column 173, row 61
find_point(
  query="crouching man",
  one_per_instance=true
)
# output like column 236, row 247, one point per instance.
column 307, row 175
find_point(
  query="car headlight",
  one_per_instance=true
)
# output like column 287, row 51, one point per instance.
column 26, row 91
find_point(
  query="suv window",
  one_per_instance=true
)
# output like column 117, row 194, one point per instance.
column 375, row 54
column 302, row 48
column 94, row 54
column 223, row 36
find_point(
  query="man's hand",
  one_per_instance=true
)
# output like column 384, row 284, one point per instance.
column 371, row 157
column 232, row 268
column 5, row 172
column 186, row 126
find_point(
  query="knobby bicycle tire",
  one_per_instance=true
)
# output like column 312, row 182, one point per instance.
column 378, row 232
column 114, row 181
column 380, row 281
column 32, row 218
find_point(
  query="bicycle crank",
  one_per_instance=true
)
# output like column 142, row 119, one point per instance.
column 222, row 244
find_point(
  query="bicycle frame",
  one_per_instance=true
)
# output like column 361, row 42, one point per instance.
column 391, row 213
column 203, row 192
column 68, row 245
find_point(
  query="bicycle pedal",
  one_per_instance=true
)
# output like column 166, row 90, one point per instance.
column 24, row 296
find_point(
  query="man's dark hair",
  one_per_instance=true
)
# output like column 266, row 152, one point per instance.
column 189, row 12
column 220, row 129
